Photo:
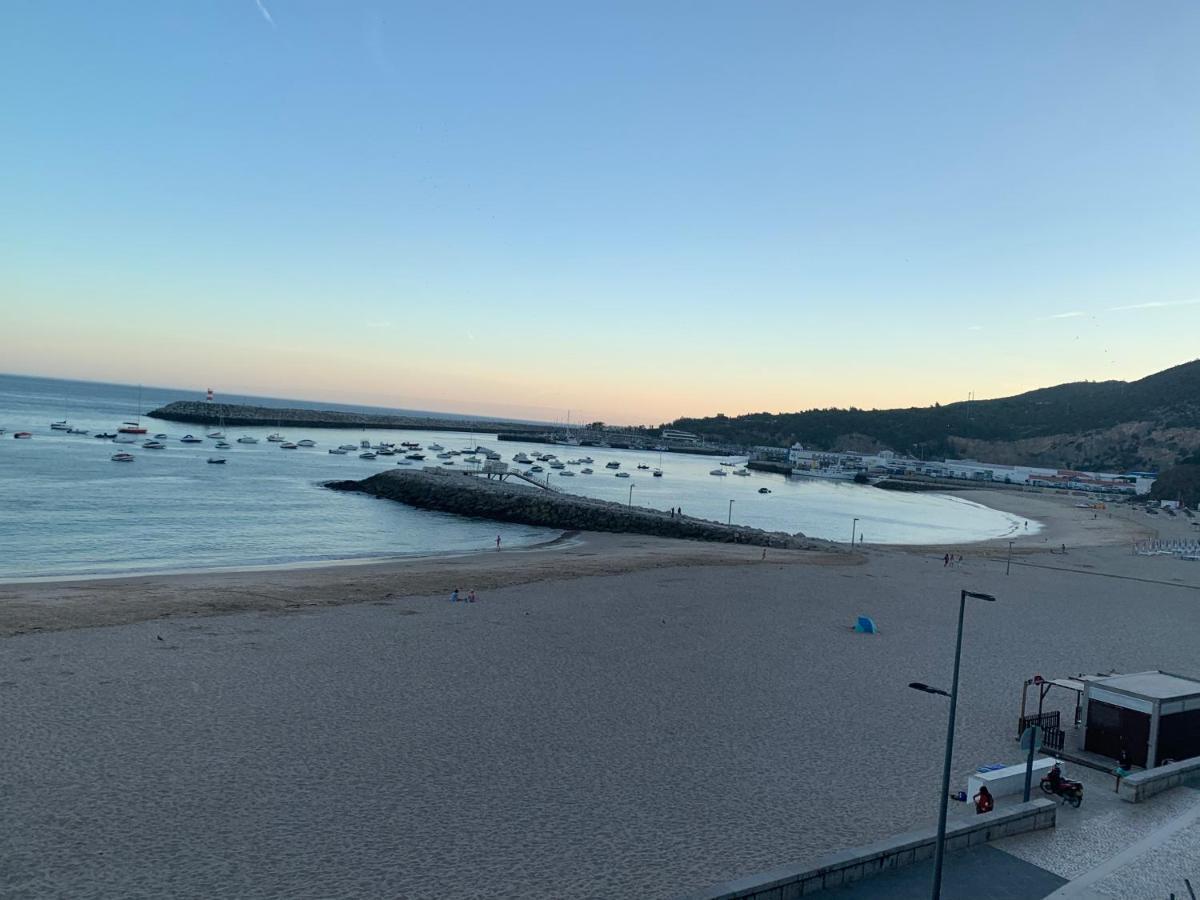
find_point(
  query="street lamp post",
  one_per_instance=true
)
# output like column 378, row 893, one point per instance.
column 729, row 521
column 631, row 495
column 853, row 529
column 1008, row 565
column 939, row 851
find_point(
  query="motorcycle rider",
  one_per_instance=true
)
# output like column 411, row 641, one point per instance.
column 1055, row 777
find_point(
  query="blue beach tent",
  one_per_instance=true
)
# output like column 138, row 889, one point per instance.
column 866, row 625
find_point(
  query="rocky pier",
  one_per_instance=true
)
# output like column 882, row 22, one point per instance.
column 239, row 414
column 503, row 501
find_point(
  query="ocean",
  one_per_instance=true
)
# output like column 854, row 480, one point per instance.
column 69, row 511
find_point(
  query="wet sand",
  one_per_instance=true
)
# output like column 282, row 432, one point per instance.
column 615, row 717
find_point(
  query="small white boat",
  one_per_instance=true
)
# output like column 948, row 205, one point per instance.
column 403, row 462
column 23, row 435
column 742, row 472
column 307, row 442
column 643, row 466
column 537, row 469
column 154, row 445
column 492, row 455
column 474, row 460
column 720, row 472
column 657, row 473
column 161, row 437
column 522, row 459
column 119, row 439
column 275, row 438
column 555, row 464
column 728, row 464
column 76, row 431
column 217, row 435
column 444, row 455
column 246, row 439
column 585, row 471
column 222, row 445
column 366, row 454
column 122, row 457
column 287, row 445
column 622, row 474
column 436, row 448
column 59, row 426
column 338, row 451
column 612, row 465
column 384, row 451
column 416, row 456
column 216, row 460
column 190, row 439
column 347, row 447
column 567, row 473
column 586, row 460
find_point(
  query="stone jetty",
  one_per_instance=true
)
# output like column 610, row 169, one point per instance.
column 505, row 501
column 237, row 414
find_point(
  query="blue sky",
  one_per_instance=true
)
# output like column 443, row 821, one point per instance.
column 634, row 211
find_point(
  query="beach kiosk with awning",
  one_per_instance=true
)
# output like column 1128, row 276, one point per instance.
column 1154, row 716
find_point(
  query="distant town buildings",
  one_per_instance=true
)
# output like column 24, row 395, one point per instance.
column 807, row 461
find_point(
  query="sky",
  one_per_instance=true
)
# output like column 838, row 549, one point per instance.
column 619, row 211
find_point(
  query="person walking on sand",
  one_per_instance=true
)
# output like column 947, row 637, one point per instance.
column 471, row 596
column 983, row 800
column 454, row 596
column 497, row 542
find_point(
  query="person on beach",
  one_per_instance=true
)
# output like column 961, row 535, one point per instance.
column 454, row 596
column 497, row 542
column 946, row 561
column 471, row 596
column 983, row 800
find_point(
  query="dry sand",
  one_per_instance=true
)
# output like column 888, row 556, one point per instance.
column 616, row 716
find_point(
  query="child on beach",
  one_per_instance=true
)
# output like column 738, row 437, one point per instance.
column 454, row 596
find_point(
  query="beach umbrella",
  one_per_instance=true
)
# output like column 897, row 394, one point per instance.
column 866, row 625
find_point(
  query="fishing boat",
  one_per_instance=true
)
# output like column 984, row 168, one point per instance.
column 246, row 439
column 122, row 457
column 190, row 439
column 216, row 460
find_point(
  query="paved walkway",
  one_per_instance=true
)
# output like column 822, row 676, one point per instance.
column 981, row 873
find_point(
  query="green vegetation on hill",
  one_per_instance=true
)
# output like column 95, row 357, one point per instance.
column 1164, row 406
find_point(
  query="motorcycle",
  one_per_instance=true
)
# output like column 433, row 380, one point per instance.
column 1066, row 789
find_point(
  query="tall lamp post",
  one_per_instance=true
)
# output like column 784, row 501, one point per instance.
column 853, row 530
column 939, row 852
column 631, row 495
column 1008, row 565
column 729, row 521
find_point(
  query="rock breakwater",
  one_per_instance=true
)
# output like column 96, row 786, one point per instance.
column 238, row 414
column 502, row 501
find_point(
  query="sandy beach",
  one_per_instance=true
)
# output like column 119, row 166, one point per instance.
column 617, row 716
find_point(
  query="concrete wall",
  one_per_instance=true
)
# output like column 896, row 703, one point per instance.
column 1143, row 785
column 789, row 882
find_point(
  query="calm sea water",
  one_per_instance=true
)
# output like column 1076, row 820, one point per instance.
column 67, row 509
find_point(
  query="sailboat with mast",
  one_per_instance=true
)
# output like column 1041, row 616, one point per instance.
column 134, row 427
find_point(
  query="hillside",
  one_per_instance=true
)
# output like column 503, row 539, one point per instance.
column 1149, row 423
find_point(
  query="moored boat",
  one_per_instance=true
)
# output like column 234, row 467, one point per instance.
column 190, row 439
column 22, row 435
column 275, row 438
column 306, row 442
column 720, row 472
column 287, row 445
column 216, row 460
column 246, row 439
column 366, row 454
column 122, row 457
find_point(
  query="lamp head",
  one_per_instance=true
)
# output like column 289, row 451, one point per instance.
column 979, row 596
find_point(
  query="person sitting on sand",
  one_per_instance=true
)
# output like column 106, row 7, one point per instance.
column 454, row 595
column 471, row 596
column 983, row 800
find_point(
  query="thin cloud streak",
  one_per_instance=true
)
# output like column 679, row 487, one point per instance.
column 266, row 13
column 1154, row 304
column 1066, row 315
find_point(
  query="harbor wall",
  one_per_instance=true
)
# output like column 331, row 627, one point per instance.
column 480, row 497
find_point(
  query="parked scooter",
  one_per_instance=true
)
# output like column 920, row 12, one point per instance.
column 1069, row 791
